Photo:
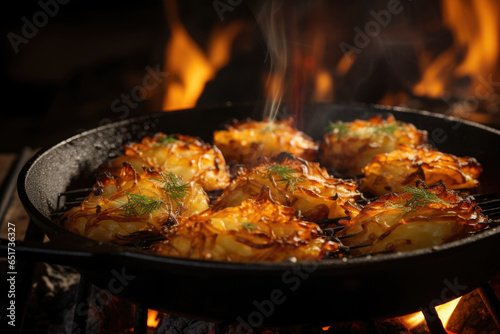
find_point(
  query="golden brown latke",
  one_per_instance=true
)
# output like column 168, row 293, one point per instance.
column 265, row 213
column 134, row 202
column 247, row 141
column 304, row 186
column 392, row 171
column 185, row 156
column 418, row 217
column 348, row 147
column 256, row 230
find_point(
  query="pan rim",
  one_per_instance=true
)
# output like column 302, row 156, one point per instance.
column 418, row 254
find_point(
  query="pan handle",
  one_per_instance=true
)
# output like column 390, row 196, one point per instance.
column 70, row 254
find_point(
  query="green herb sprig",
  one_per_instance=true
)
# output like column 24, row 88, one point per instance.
column 421, row 198
column 167, row 139
column 387, row 129
column 268, row 128
column 286, row 175
column 174, row 187
column 249, row 226
column 340, row 129
column 140, row 205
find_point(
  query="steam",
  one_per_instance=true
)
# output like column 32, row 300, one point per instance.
column 295, row 39
column 271, row 20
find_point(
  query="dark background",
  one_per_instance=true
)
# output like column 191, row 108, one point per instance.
column 66, row 77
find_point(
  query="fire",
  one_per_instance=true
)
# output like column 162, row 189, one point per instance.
column 189, row 66
column 444, row 311
column 480, row 37
column 475, row 30
column 345, row 64
column 153, row 319
column 323, row 88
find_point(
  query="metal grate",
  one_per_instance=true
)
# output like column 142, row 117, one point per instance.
column 489, row 203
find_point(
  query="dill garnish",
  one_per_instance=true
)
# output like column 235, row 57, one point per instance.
column 167, row 139
column 340, row 129
column 249, row 226
column 388, row 129
column 421, row 197
column 269, row 128
column 174, row 187
column 140, row 205
column 286, row 175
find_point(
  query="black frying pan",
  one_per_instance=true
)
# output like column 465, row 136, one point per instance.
column 263, row 293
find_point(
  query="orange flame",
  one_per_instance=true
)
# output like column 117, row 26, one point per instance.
column 323, row 87
column 189, row 66
column 153, row 319
column 475, row 30
column 481, row 37
column 444, row 311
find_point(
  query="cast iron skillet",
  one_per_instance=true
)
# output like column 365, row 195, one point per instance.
column 263, row 293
